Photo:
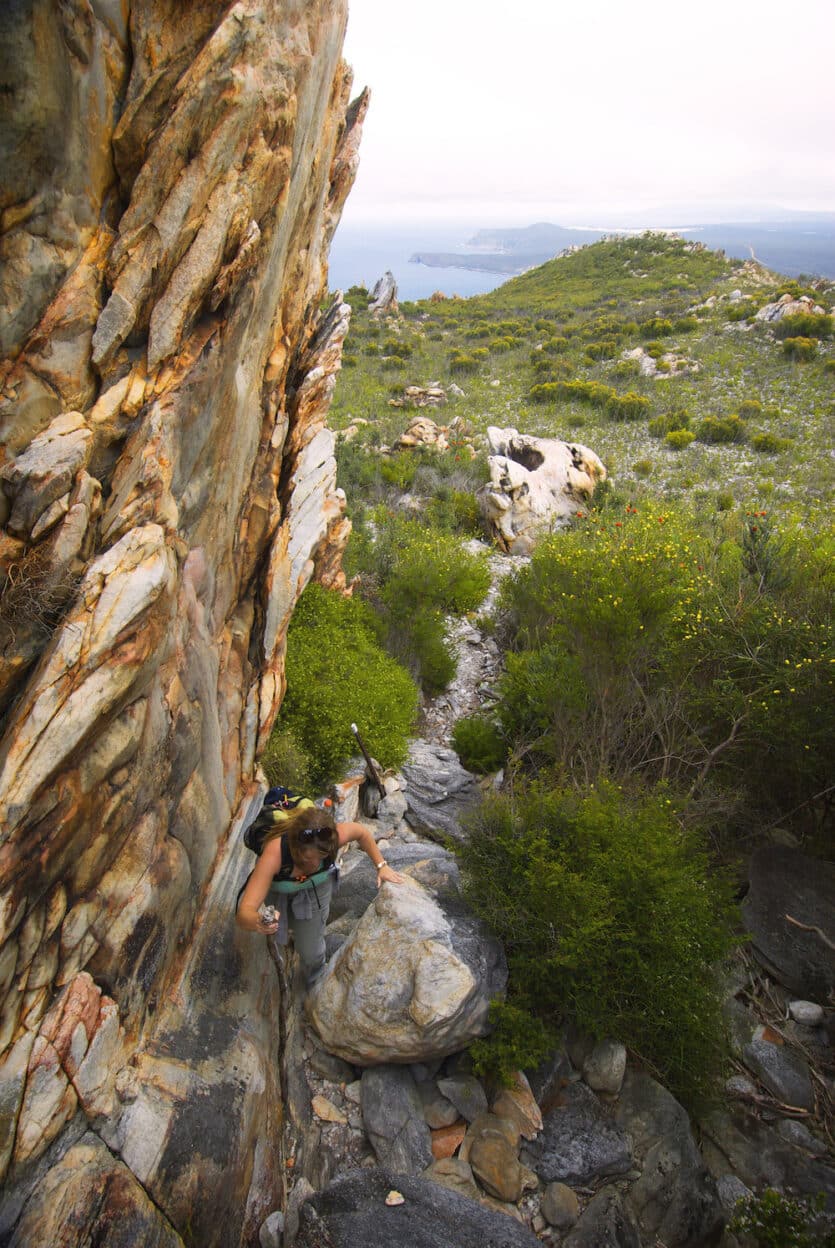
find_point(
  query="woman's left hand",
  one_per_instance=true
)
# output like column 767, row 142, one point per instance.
column 386, row 875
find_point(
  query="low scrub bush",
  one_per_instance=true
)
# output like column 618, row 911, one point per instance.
column 642, row 467
column 770, row 443
column 421, row 575
column 801, row 350
column 603, row 350
column 750, row 408
column 629, row 406
column 804, row 325
column 718, row 429
column 397, row 347
column 478, row 743
column 610, row 917
column 829, row 366
column 741, row 310
column 669, row 422
column 772, row 1220
column 337, row 672
column 678, row 439
column 656, row 326
column 285, row 762
column 460, row 364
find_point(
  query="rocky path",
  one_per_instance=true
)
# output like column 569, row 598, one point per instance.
column 479, row 660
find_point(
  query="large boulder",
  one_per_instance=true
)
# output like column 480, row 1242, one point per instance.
column 430, row 865
column 413, row 981
column 675, row 1199
column 534, row 484
column 438, row 789
column 352, row 1211
column 785, row 885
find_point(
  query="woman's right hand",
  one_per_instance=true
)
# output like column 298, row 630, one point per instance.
column 252, row 921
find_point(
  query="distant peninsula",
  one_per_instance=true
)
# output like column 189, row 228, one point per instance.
column 804, row 244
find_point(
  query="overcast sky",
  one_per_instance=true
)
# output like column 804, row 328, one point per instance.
column 495, row 112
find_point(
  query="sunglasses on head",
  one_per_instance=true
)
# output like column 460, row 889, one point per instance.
column 311, row 836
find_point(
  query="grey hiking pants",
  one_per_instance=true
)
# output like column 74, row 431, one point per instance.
column 309, row 929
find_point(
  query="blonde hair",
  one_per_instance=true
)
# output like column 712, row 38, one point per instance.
column 299, row 821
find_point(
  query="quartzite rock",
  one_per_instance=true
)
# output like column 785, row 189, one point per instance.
column 438, row 789
column 431, row 999
column 579, row 1142
column 675, row 1198
column 785, row 882
column 392, row 1116
column 604, row 1223
column 172, row 178
column 352, row 1211
column 534, row 484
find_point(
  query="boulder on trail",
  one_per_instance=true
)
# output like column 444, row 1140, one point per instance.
column 413, row 981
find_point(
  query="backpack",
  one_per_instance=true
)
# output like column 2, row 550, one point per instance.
column 279, row 804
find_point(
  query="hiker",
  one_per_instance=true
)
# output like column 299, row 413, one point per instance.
column 296, row 871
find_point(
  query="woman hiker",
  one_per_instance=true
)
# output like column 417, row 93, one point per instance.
column 297, row 872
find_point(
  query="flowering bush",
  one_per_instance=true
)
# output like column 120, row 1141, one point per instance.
column 641, row 647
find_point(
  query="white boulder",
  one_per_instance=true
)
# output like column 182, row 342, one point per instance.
column 534, row 484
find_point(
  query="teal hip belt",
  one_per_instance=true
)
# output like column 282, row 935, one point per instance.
column 296, row 886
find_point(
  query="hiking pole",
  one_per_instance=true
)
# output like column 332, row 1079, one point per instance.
column 372, row 770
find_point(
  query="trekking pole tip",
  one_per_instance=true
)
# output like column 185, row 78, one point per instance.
column 354, row 729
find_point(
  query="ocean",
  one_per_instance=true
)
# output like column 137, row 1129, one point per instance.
column 361, row 255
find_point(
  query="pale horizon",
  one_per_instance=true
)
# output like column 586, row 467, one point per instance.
column 607, row 115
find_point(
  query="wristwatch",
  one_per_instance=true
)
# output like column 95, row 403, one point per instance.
column 378, row 866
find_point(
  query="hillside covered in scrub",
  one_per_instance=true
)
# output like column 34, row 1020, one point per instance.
column 663, row 707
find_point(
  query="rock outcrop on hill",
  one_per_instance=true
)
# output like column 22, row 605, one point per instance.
column 172, row 177
column 534, row 484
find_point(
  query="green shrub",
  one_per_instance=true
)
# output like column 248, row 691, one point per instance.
column 669, row 422
column 627, row 368
column 603, row 350
column 829, row 366
column 655, row 349
column 397, row 347
column 544, row 392
column 697, row 661
column 804, row 325
column 358, row 297
column 461, row 364
column 609, row 917
column 285, row 762
column 629, row 406
column 423, row 574
column 719, row 429
column 776, row 1221
column 725, row 501
column 478, row 743
column 518, row 1041
column 750, row 408
column 337, row 673
column 770, row 443
column 741, row 310
column 800, row 349
column 555, row 346
column 656, row 326
column 685, row 324
column 642, row 467
column 678, row 439
column 456, row 511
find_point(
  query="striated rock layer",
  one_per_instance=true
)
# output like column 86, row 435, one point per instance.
column 172, row 177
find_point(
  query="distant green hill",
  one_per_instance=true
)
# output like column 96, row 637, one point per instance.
column 613, row 273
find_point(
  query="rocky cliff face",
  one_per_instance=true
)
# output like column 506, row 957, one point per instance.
column 173, row 175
